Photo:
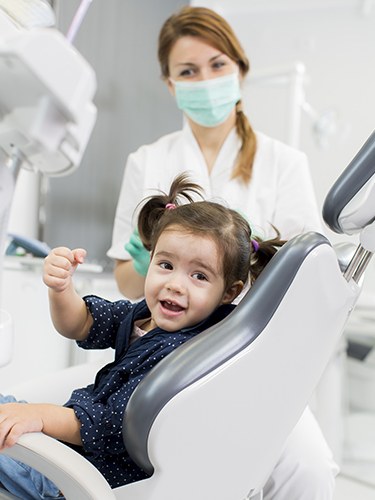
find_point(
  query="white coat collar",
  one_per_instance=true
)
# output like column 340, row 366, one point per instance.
column 227, row 154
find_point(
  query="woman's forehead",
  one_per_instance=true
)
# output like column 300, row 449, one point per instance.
column 192, row 49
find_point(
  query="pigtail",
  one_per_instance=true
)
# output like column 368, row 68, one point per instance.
column 244, row 166
column 181, row 188
column 263, row 251
column 181, row 191
column 149, row 216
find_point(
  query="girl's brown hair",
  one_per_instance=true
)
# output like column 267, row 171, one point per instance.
column 242, row 256
column 215, row 31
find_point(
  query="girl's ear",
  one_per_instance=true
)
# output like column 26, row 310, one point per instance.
column 232, row 292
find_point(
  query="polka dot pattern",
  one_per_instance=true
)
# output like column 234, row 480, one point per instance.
column 100, row 406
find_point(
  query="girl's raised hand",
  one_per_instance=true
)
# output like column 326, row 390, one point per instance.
column 60, row 265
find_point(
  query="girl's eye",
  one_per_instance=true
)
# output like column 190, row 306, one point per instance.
column 200, row 276
column 166, row 265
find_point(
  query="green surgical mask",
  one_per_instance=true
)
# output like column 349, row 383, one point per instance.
column 208, row 102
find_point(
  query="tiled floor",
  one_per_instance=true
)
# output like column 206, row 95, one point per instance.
column 357, row 479
column 346, row 489
column 349, row 489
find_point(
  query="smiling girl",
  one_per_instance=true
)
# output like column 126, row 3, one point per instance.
column 202, row 254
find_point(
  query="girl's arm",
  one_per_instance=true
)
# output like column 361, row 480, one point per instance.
column 55, row 421
column 68, row 310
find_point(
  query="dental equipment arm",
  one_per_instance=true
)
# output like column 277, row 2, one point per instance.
column 46, row 109
column 349, row 207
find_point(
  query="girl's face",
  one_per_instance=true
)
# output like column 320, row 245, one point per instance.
column 185, row 282
column 192, row 59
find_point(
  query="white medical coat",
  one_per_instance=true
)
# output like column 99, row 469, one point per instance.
column 280, row 191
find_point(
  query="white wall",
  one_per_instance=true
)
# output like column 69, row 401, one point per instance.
column 335, row 39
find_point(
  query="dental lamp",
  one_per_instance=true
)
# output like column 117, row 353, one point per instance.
column 46, row 109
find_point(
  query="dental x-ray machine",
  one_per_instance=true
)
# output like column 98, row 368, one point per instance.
column 46, row 108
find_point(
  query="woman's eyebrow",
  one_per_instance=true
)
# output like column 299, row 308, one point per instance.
column 213, row 58
column 185, row 64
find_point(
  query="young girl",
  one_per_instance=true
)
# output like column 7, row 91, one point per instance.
column 202, row 254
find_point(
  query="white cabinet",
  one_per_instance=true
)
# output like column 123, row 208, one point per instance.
column 38, row 348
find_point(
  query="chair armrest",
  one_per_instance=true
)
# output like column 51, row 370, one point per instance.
column 73, row 474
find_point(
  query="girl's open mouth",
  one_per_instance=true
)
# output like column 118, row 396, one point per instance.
column 171, row 306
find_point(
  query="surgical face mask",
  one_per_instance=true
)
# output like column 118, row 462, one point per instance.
column 208, row 102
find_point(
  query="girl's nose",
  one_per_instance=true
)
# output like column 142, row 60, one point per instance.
column 175, row 286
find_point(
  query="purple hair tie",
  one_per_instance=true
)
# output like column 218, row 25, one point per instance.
column 170, row 206
column 255, row 245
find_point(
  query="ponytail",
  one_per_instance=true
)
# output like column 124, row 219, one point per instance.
column 244, row 166
column 181, row 190
column 263, row 251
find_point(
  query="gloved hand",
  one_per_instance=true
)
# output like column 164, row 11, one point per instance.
column 141, row 256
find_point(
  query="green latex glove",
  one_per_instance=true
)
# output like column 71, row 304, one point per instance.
column 141, row 256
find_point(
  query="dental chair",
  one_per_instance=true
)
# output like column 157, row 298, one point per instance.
column 210, row 421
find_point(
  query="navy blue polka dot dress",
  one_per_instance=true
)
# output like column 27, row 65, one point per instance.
column 100, row 406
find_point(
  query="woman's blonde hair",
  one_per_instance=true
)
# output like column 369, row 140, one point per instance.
column 214, row 30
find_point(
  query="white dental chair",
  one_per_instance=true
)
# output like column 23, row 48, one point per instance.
column 209, row 422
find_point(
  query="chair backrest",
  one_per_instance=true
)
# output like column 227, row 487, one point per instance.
column 350, row 204
column 211, row 419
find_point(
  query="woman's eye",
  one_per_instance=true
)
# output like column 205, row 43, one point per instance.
column 218, row 64
column 186, row 72
column 200, row 276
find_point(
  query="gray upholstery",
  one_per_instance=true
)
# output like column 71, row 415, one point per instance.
column 213, row 347
column 359, row 171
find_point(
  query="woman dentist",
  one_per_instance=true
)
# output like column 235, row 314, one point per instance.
column 203, row 63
